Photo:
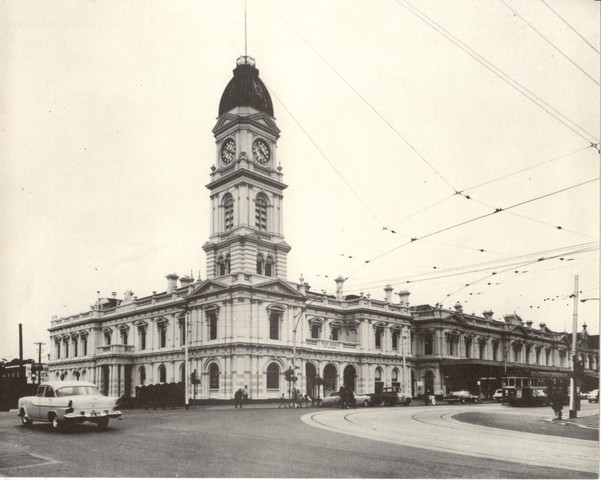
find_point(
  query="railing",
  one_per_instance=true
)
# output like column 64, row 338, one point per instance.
column 114, row 349
column 331, row 344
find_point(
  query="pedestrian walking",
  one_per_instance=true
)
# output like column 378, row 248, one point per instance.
column 557, row 404
column 283, row 402
column 238, row 398
column 342, row 395
column 244, row 394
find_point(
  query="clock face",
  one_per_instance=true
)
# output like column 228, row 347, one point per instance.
column 261, row 151
column 228, row 151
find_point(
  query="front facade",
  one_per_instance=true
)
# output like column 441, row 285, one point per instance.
column 247, row 323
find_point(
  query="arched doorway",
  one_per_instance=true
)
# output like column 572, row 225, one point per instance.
column 104, row 379
column 329, row 376
column 349, row 377
column 413, row 383
column 311, row 375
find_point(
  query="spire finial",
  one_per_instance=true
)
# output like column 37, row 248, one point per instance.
column 245, row 34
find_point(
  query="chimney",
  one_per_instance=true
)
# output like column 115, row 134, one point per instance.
column 458, row 307
column 387, row 293
column 171, row 282
column 404, row 297
column 542, row 325
column 529, row 324
column 488, row 315
column 339, row 283
column 301, row 285
column 186, row 281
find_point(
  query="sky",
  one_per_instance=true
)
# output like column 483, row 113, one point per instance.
column 447, row 148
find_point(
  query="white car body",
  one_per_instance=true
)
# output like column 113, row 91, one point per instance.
column 333, row 400
column 498, row 395
column 63, row 403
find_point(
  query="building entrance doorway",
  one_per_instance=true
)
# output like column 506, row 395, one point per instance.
column 349, row 377
column 311, row 375
column 329, row 377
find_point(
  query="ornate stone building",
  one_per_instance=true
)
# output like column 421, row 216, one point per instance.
column 247, row 323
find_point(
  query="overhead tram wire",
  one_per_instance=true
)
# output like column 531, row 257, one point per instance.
column 375, row 110
column 451, row 227
column 502, row 75
column 569, row 26
column 491, row 264
column 323, row 154
column 549, row 42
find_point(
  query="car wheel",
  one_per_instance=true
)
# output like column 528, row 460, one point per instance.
column 103, row 423
column 56, row 423
column 433, row 401
column 25, row 420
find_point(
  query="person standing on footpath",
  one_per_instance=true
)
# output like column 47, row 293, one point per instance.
column 244, row 395
column 238, row 398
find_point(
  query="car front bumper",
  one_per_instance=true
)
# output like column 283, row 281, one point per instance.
column 91, row 415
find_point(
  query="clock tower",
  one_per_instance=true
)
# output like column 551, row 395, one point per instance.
column 246, row 235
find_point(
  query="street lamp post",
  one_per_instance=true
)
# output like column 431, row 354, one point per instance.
column 573, row 413
column 186, row 373
column 404, row 339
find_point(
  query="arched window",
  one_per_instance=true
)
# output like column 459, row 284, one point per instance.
column 224, row 264
column 261, row 213
column 273, row 376
column 395, row 377
column 269, row 266
column 212, row 321
column 142, row 373
column 214, row 376
column 379, row 383
column 107, row 337
column 260, row 263
column 228, row 213
column 182, row 331
column 66, row 343
column 162, row 374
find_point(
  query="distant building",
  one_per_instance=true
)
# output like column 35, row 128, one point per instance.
column 247, row 323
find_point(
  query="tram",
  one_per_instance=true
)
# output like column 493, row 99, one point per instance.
column 535, row 389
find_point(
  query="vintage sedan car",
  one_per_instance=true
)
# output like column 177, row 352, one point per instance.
column 593, row 396
column 389, row 396
column 498, row 395
column 64, row 403
column 461, row 396
column 333, row 400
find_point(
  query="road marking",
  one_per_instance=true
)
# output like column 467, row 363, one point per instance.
column 421, row 428
column 15, row 461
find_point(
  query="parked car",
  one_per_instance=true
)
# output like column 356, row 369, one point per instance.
column 593, row 396
column 389, row 396
column 333, row 400
column 461, row 396
column 65, row 403
column 498, row 395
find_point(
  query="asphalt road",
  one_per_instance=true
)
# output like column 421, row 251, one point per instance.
column 252, row 442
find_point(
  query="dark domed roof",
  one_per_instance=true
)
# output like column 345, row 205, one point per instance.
column 246, row 89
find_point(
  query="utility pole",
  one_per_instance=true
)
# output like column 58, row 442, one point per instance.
column 186, row 368
column 39, row 373
column 573, row 413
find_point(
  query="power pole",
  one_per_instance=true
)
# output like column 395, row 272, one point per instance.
column 573, row 393
column 39, row 373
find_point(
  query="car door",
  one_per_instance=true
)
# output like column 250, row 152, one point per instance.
column 33, row 410
column 46, row 403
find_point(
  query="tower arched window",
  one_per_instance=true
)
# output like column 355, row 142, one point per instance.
column 228, row 213
column 261, row 213
column 273, row 376
column 269, row 266
column 260, row 263
column 142, row 375
column 224, row 264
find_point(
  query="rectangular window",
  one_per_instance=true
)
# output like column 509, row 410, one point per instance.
column 182, row 332
column 212, row 326
column 124, row 336
column 107, row 338
column 75, row 347
column 428, row 347
column 84, row 346
column 66, row 349
column 335, row 333
column 378, row 338
column 395, row 340
column 274, row 326
column 315, row 331
column 162, row 335
column 495, row 351
column 142, row 337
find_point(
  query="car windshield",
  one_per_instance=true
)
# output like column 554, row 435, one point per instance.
column 77, row 390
